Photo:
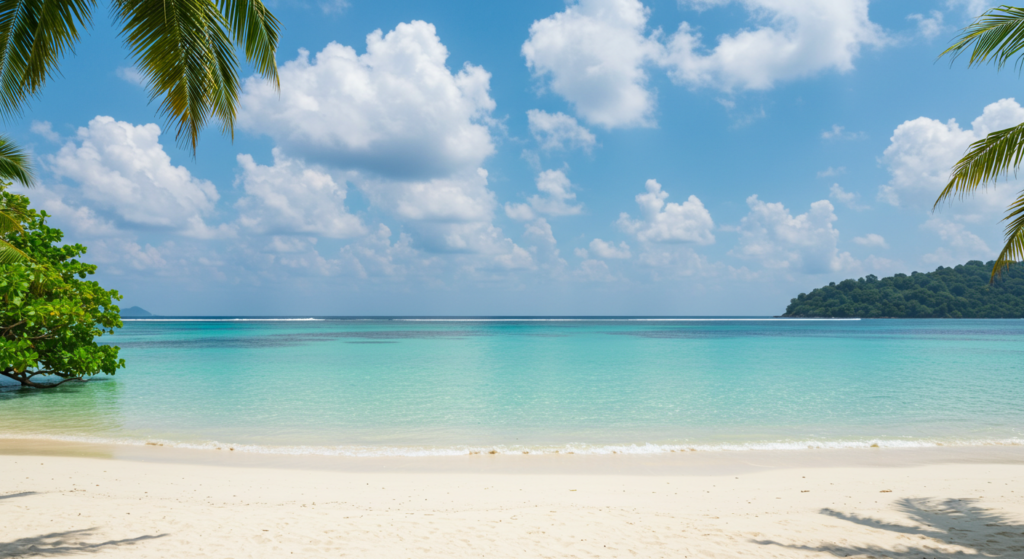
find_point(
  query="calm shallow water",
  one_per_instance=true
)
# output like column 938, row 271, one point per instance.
column 373, row 387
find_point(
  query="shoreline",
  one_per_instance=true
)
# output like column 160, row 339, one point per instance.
column 161, row 502
column 695, row 463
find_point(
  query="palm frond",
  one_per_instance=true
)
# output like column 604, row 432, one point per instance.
column 14, row 163
column 183, row 49
column 9, row 254
column 1013, row 251
column 9, row 222
column 986, row 160
column 256, row 29
column 34, row 36
column 996, row 36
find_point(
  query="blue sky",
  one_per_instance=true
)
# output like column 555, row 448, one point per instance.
column 691, row 157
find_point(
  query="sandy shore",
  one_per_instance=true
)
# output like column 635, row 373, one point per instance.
column 62, row 500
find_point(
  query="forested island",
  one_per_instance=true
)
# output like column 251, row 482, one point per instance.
column 960, row 292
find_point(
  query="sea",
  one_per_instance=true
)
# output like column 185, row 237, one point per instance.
column 450, row 386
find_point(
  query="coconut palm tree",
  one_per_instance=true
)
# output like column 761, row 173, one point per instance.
column 996, row 37
column 184, row 49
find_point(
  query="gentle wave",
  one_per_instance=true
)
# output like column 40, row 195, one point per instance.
column 574, row 449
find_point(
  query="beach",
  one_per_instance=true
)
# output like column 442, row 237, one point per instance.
column 66, row 499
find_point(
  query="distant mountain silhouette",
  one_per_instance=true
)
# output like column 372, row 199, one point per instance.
column 135, row 312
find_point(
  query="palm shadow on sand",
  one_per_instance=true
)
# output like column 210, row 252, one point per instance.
column 70, row 542
column 953, row 528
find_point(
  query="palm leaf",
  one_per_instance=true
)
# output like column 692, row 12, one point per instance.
column 256, row 29
column 184, row 49
column 9, row 254
column 1014, row 249
column 14, row 163
column 996, row 36
column 986, row 160
column 176, row 47
column 8, row 222
column 34, row 36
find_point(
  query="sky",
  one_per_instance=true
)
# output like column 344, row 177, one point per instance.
column 590, row 157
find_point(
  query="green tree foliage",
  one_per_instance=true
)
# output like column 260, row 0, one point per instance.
column 50, row 314
column 961, row 292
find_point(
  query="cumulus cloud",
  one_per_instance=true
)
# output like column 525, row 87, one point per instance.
column 594, row 54
column 962, row 244
column 922, row 152
column 838, row 194
column 871, row 240
column 806, row 243
column 559, row 131
column 831, row 172
column 124, row 169
column 396, row 111
column 792, row 39
column 973, row 8
column 45, row 129
column 555, row 199
column 292, row 198
column 665, row 223
column 928, row 27
column 604, row 249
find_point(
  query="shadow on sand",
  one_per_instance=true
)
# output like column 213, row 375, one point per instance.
column 953, row 528
column 63, row 543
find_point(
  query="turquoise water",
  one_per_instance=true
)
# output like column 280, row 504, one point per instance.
column 373, row 387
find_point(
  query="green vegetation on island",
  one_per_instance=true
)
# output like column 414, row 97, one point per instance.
column 960, row 292
column 50, row 314
column 135, row 312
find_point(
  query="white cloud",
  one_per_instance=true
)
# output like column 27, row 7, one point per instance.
column 793, row 39
column 806, row 243
column 594, row 270
column 581, row 252
column 973, row 8
column 923, row 151
column 928, row 27
column 871, row 240
column 848, row 198
column 672, row 222
column 541, row 230
column 963, row 245
column 459, row 198
column 555, row 199
column 131, row 75
column 395, row 111
column 289, row 197
column 45, row 129
column 559, row 131
column 593, row 54
column 603, row 249
column 839, row 133
column 124, row 168
column 830, row 172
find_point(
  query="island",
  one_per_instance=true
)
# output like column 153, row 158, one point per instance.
column 964, row 291
column 135, row 312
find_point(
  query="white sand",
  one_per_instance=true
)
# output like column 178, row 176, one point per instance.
column 66, row 506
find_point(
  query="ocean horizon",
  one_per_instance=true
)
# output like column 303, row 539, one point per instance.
column 442, row 386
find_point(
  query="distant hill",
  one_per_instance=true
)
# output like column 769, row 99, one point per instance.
column 960, row 292
column 135, row 312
